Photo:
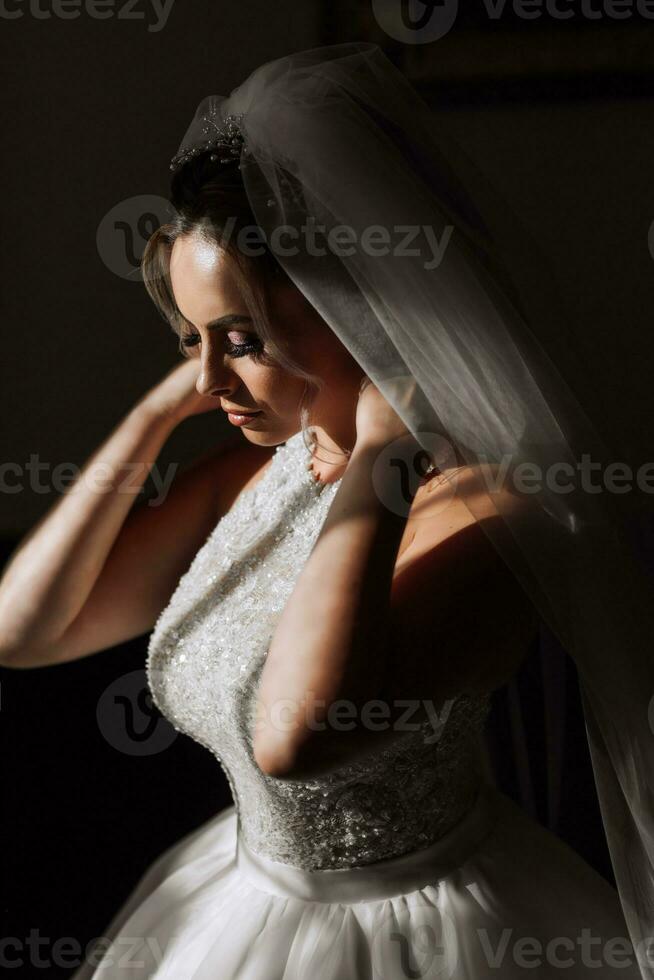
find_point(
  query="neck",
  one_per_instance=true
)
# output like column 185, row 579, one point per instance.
column 329, row 459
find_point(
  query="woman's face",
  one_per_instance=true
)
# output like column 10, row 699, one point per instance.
column 231, row 367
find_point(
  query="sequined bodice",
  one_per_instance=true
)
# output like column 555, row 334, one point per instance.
column 204, row 661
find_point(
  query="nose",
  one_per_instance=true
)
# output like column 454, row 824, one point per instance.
column 214, row 379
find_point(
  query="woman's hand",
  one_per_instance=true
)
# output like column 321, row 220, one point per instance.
column 176, row 397
column 377, row 422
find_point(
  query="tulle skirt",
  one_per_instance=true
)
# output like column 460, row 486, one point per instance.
column 499, row 895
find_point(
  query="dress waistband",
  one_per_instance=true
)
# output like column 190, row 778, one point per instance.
column 382, row 879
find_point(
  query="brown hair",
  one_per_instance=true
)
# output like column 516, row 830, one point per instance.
column 209, row 198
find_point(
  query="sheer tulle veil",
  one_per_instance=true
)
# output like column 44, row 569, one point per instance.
column 336, row 136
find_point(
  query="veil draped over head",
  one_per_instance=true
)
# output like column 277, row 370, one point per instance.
column 336, row 136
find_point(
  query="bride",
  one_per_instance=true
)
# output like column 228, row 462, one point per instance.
column 334, row 597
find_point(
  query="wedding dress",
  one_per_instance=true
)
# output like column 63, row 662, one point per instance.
column 407, row 864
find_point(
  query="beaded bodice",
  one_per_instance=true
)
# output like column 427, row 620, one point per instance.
column 205, row 656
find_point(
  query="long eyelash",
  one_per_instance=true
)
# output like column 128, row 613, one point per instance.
column 255, row 348
column 190, row 340
column 240, row 350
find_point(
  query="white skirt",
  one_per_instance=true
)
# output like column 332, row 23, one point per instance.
column 499, row 895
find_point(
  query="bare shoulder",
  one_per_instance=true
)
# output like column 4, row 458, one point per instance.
column 452, row 591
column 443, row 508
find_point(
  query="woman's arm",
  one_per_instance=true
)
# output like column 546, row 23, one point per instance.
column 394, row 640
column 51, row 573
column 46, row 585
column 330, row 641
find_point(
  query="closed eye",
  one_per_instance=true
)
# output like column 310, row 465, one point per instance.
column 188, row 341
column 252, row 346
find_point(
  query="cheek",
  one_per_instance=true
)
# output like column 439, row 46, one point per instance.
column 276, row 387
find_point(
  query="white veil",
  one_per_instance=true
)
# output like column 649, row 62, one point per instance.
column 338, row 136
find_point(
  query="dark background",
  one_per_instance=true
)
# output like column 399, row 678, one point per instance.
column 557, row 113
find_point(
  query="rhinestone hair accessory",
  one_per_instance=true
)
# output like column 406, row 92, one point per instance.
column 224, row 136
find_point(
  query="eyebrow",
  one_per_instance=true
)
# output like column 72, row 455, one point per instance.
column 229, row 320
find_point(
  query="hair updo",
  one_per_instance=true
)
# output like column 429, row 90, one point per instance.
column 210, row 200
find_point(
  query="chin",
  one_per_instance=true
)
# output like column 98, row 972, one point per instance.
column 258, row 437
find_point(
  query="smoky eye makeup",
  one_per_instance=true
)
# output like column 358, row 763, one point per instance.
column 246, row 343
